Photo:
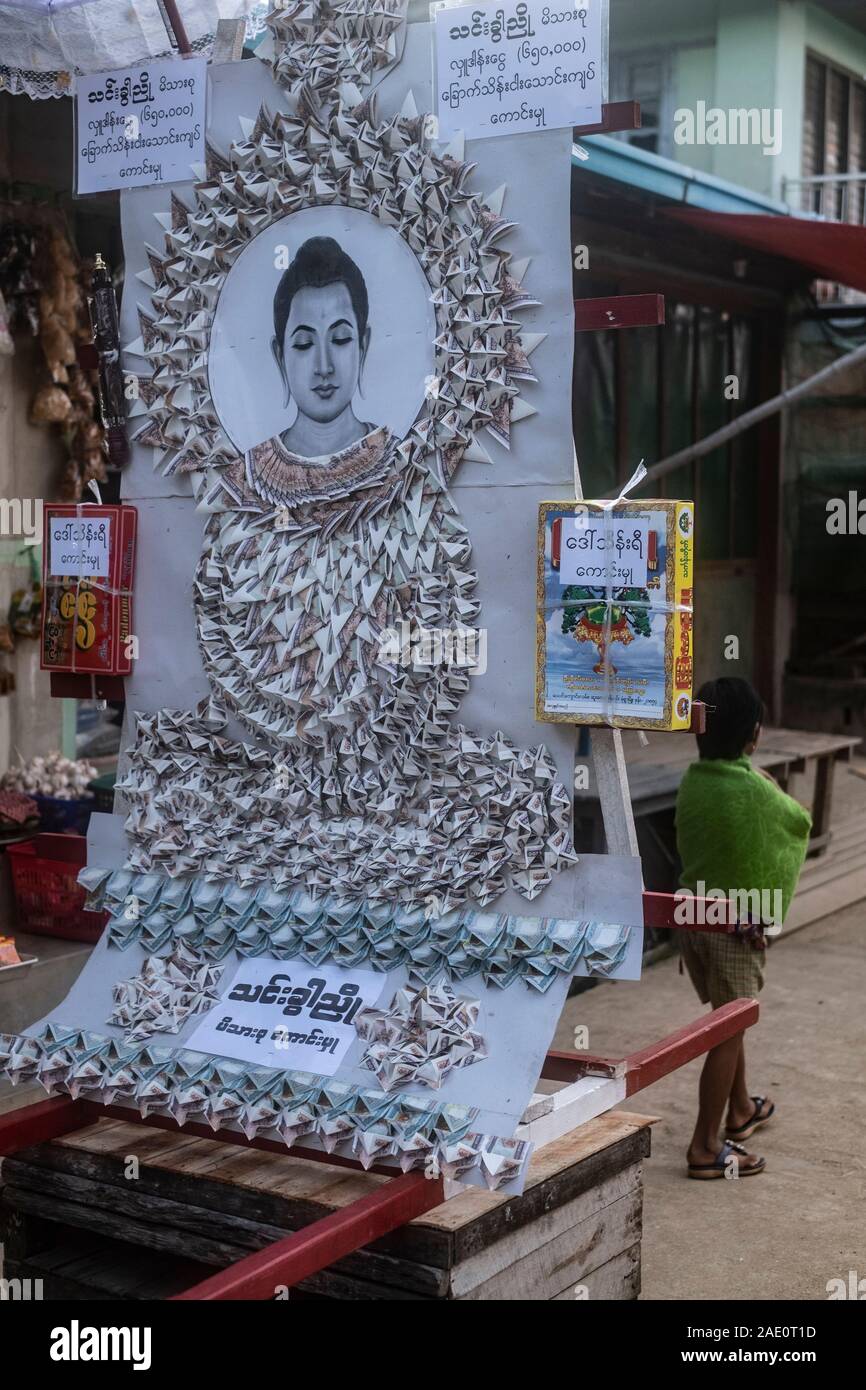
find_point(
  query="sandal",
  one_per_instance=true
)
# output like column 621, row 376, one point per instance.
column 718, row 1168
column 746, row 1130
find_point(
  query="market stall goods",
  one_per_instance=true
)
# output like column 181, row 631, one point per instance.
column 16, row 810
column 8, row 953
column 44, row 284
column 52, row 775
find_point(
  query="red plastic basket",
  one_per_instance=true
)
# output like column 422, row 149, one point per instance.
column 47, row 896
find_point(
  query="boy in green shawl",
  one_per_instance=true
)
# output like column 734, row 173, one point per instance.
column 737, row 833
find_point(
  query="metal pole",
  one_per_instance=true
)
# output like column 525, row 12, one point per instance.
column 174, row 19
column 754, row 417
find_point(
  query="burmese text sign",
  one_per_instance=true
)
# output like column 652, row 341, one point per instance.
column 139, row 126
column 522, row 65
column 288, row 1014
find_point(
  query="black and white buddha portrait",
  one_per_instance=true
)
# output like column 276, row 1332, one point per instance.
column 321, row 338
column 321, row 349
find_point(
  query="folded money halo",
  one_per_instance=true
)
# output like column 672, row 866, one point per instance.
column 328, row 149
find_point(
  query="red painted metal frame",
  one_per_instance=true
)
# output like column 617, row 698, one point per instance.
column 177, row 27
column 401, row 1199
column 659, row 911
column 615, row 115
column 619, row 311
column 49, row 1119
column 305, row 1252
column 66, row 685
column 650, row 1064
column 36, row 1124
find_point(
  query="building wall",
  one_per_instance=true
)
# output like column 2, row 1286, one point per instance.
column 736, row 54
column 636, row 23
column 694, row 80
column 748, row 63
column 724, row 607
column 834, row 40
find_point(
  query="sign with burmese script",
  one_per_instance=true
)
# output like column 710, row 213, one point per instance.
column 140, row 126
column 79, row 545
column 521, row 65
column 287, row 1014
column 599, row 551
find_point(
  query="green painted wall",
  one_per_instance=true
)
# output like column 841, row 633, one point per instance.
column 737, row 54
column 695, row 79
column 790, row 91
column 834, row 40
column 636, row 23
column 746, row 69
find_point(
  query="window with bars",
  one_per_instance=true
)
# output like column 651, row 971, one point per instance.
column 834, row 143
column 645, row 76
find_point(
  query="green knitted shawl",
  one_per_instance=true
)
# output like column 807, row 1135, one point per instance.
column 737, row 830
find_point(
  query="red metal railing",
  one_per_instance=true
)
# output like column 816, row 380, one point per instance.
column 404, row 1197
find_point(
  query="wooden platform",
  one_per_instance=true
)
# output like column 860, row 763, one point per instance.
column 834, row 881
column 73, row 1215
column 656, row 766
column 834, row 874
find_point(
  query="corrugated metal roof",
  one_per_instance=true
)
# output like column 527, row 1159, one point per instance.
column 831, row 250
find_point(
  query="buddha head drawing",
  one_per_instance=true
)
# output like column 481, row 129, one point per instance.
column 320, row 343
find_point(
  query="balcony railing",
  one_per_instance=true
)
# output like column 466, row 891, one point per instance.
column 837, row 198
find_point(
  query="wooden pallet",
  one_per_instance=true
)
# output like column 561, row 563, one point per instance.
column 70, row 1216
column 655, row 770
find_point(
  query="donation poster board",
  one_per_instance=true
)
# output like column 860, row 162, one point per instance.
column 614, row 625
column 351, row 349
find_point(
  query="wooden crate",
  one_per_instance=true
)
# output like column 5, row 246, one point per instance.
column 75, row 1214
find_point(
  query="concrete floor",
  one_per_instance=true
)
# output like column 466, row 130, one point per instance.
column 803, row 1221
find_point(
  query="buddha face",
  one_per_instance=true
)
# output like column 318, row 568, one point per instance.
column 322, row 353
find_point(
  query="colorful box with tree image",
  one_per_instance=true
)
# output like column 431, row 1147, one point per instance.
column 614, row 622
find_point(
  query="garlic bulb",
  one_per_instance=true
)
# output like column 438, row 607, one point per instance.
column 52, row 775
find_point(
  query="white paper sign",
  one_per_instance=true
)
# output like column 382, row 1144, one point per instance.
column 519, row 65
column 591, row 556
column 139, row 126
column 79, row 547
column 287, row 1014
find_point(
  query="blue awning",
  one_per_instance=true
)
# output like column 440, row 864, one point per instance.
column 665, row 178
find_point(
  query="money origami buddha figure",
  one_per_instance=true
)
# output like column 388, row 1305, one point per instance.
column 338, row 531
column 318, row 918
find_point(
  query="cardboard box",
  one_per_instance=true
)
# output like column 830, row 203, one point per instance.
column 614, row 624
column 88, row 566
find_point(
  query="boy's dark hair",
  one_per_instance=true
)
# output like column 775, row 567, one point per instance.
column 733, row 709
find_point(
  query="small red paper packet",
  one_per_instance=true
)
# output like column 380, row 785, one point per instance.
column 88, row 566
